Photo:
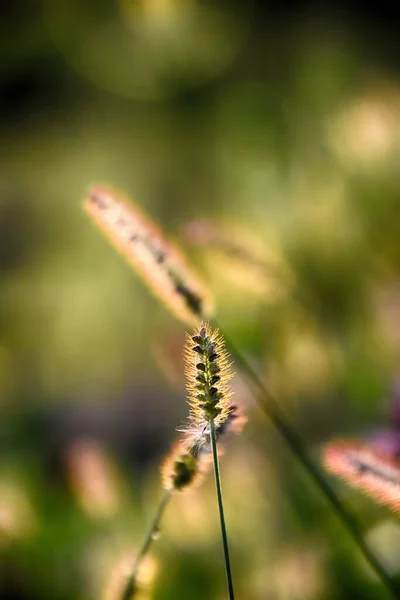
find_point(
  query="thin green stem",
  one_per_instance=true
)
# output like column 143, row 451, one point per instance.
column 221, row 510
column 130, row 585
column 270, row 406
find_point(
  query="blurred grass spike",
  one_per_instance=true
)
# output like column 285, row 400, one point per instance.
column 154, row 257
column 184, row 467
column 376, row 473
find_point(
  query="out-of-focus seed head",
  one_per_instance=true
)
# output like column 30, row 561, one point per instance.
column 363, row 467
column 145, row 247
column 184, row 466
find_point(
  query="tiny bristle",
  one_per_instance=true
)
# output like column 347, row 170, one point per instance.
column 146, row 248
column 362, row 467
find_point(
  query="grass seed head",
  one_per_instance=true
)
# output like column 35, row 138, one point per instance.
column 208, row 373
column 145, row 247
column 184, row 466
column 361, row 466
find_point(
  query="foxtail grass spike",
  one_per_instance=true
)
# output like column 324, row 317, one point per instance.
column 373, row 472
column 155, row 258
column 208, row 373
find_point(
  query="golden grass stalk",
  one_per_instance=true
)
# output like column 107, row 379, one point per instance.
column 208, row 373
column 375, row 473
column 145, row 247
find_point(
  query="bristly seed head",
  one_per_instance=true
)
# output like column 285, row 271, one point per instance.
column 208, row 381
column 184, row 467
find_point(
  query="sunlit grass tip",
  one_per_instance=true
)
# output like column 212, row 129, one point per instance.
column 377, row 474
column 208, row 373
column 154, row 257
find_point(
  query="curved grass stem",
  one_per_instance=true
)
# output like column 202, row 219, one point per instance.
column 271, row 408
column 130, row 584
column 221, row 510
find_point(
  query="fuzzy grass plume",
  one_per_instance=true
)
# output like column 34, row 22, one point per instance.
column 376, row 473
column 150, row 253
column 208, row 373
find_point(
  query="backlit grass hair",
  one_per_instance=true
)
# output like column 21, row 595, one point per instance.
column 377, row 474
column 150, row 253
column 208, row 372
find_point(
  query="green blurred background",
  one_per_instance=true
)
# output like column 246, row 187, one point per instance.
column 276, row 127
